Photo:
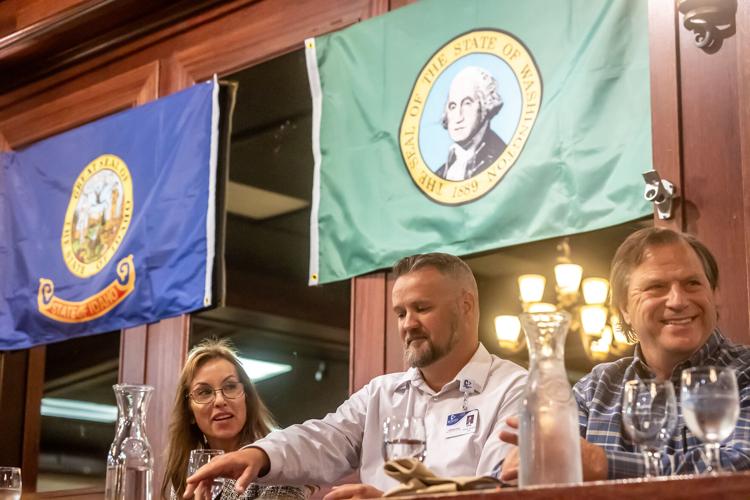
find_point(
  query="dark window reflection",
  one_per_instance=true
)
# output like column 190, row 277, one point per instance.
column 78, row 411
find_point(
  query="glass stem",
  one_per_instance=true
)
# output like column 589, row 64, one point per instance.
column 651, row 459
column 713, row 462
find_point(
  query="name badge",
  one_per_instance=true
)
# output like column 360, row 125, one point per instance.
column 464, row 422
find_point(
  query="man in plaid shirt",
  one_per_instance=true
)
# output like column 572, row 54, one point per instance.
column 664, row 284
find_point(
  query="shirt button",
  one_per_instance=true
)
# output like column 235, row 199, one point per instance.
column 434, row 398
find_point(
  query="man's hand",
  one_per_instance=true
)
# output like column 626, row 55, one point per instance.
column 593, row 458
column 510, row 463
column 345, row 491
column 243, row 465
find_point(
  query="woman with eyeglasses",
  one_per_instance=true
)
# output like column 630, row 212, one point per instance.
column 217, row 408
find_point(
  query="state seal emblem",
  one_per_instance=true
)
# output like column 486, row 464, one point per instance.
column 98, row 215
column 469, row 115
column 95, row 224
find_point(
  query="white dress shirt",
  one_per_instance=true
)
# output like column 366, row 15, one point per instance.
column 322, row 451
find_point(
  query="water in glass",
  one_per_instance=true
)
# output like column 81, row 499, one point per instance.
column 710, row 405
column 130, row 463
column 549, row 442
column 711, row 418
column 404, row 438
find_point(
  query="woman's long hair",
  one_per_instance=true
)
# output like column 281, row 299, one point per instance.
column 184, row 434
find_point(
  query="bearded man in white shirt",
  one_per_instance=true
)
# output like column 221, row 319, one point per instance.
column 462, row 391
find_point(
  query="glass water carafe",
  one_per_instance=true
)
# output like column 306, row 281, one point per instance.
column 130, row 463
column 549, row 443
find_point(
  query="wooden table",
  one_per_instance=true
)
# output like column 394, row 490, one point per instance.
column 729, row 486
column 720, row 487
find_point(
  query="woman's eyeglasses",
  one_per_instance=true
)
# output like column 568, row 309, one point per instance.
column 205, row 394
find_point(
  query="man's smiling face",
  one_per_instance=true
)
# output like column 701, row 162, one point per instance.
column 670, row 302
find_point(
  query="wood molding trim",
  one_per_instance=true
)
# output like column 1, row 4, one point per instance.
column 61, row 36
column 26, row 123
column 255, row 34
column 665, row 101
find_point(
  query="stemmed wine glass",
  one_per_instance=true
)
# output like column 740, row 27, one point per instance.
column 711, row 406
column 199, row 458
column 404, row 437
column 649, row 414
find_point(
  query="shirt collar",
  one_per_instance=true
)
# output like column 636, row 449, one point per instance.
column 699, row 358
column 477, row 370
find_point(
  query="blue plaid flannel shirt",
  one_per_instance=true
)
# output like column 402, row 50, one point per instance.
column 599, row 398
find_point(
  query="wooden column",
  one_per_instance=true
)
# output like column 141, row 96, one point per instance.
column 368, row 329
column 743, row 109
column 154, row 355
column 665, row 103
column 21, row 388
column 375, row 344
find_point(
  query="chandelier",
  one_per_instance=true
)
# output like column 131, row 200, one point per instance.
column 585, row 299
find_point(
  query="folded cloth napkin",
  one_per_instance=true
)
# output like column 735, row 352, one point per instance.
column 418, row 479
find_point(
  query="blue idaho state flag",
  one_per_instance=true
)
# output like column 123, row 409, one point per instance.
column 112, row 224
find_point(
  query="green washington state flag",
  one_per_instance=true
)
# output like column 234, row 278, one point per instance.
column 464, row 126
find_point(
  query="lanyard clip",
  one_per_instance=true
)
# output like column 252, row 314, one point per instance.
column 466, row 386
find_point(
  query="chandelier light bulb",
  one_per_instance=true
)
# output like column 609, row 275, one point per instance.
column 595, row 290
column 531, row 287
column 507, row 329
column 568, row 277
column 593, row 319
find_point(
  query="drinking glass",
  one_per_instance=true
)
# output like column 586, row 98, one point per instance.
column 404, row 438
column 649, row 414
column 199, row 458
column 711, row 406
column 10, row 483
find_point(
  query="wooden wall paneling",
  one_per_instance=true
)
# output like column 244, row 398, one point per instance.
column 105, row 59
column 743, row 107
column 368, row 329
column 29, row 121
column 712, row 172
column 21, row 388
column 257, row 33
column 665, row 100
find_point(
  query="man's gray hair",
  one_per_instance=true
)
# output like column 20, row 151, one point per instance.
column 446, row 264
column 485, row 89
